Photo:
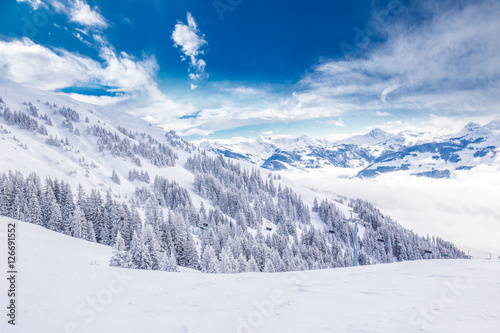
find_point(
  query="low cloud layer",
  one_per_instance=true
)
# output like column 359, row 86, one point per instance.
column 463, row 209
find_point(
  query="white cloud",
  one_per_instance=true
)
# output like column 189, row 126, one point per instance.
column 194, row 76
column 81, row 13
column 338, row 123
column 191, row 41
column 58, row 6
column 26, row 62
column 97, row 100
column 382, row 114
column 388, row 90
column 35, row 4
column 245, row 91
column 195, row 131
column 392, row 126
column 193, row 86
column 83, row 40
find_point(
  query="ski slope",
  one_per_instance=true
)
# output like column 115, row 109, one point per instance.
column 66, row 285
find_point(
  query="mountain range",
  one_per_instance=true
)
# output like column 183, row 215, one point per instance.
column 372, row 154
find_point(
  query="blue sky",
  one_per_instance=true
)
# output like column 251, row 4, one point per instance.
column 225, row 68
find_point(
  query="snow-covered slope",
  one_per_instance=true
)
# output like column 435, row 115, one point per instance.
column 79, row 162
column 377, row 152
column 65, row 285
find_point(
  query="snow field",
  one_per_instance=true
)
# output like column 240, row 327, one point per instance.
column 66, row 285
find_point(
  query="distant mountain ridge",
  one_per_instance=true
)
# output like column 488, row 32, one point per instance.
column 376, row 152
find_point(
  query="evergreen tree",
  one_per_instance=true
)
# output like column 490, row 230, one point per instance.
column 88, row 232
column 77, row 223
column 51, row 213
column 269, row 267
column 209, row 262
column 151, row 255
column 135, row 251
column 121, row 257
column 67, row 206
column 242, row 264
column 169, row 263
column 225, row 263
column 315, row 207
column 115, row 177
column 252, row 265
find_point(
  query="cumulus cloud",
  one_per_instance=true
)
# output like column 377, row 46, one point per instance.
column 189, row 39
column 77, row 11
column 27, row 62
column 81, row 13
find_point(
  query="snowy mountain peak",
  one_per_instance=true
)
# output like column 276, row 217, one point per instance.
column 374, row 137
column 493, row 125
column 469, row 129
column 489, row 133
column 377, row 133
column 471, row 126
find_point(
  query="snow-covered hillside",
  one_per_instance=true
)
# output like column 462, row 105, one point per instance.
column 66, row 285
column 84, row 161
column 372, row 154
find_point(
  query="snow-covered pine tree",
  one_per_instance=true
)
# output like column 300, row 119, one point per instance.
column 225, row 263
column 77, row 223
column 121, row 257
column 151, row 249
column 115, row 177
column 315, row 206
column 67, row 205
column 51, row 213
column 169, row 263
column 252, row 265
column 209, row 262
column 32, row 210
column 135, row 251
